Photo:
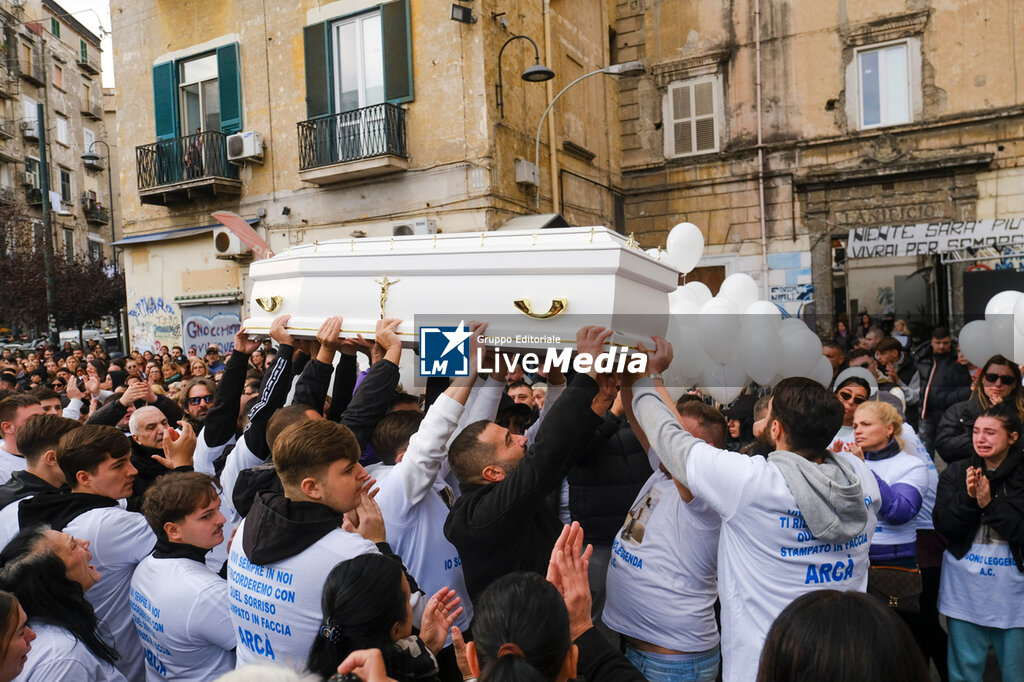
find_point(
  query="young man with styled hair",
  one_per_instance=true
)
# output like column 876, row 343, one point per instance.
column 14, row 410
column 799, row 520
column 180, row 607
column 96, row 461
column 288, row 543
column 38, row 438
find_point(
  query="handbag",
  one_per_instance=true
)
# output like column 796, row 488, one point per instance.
column 898, row 587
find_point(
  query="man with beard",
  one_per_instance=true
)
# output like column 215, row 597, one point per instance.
column 196, row 399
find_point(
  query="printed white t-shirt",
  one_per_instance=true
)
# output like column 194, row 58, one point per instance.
column 900, row 468
column 58, row 655
column 661, row 584
column 180, row 609
column 275, row 609
column 118, row 540
column 984, row 587
column 767, row 557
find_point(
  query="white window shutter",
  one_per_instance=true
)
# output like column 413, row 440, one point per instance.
column 693, row 125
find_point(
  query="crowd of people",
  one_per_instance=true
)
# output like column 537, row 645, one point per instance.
column 290, row 511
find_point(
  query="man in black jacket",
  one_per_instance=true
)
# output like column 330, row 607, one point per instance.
column 501, row 523
column 944, row 382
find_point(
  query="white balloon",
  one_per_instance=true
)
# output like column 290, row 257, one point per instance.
column 684, row 246
column 1018, row 316
column 681, row 302
column 698, row 291
column 800, row 352
column 654, row 253
column 999, row 315
column 762, row 314
column 741, row 289
column 790, row 325
column 718, row 328
column 760, row 355
column 822, row 373
column 689, row 359
column 723, row 382
column 976, row 342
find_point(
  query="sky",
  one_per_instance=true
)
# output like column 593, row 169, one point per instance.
column 95, row 16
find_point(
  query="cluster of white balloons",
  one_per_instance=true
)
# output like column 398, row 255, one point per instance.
column 1001, row 332
column 722, row 343
column 683, row 247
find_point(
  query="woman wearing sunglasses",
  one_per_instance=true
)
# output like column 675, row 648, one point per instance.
column 853, row 386
column 998, row 383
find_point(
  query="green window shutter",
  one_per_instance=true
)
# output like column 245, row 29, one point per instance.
column 55, row 26
column 396, row 36
column 165, row 100
column 319, row 82
column 229, row 82
column 83, row 47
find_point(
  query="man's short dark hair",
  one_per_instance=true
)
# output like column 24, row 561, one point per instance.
column 42, row 432
column 44, row 393
column 713, row 425
column 393, row 432
column 9, row 406
column 86, row 448
column 809, row 413
column 834, row 345
column 283, row 418
column 940, row 333
column 305, row 449
column 887, row 344
column 858, row 353
column 176, row 495
column 519, row 383
column 404, row 399
column 468, row 455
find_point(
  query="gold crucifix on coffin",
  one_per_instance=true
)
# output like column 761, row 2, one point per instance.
column 384, row 283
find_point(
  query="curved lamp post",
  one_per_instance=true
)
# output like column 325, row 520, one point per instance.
column 634, row 68
column 538, row 73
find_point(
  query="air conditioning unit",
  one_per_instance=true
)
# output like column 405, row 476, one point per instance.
column 245, row 146
column 226, row 244
column 29, row 128
column 29, row 178
column 417, row 226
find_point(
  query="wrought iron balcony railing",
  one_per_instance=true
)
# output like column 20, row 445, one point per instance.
column 184, row 159
column 377, row 130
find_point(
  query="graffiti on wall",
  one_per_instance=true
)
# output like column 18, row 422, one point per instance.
column 201, row 331
column 152, row 322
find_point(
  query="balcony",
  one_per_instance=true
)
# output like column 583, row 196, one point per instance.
column 92, row 108
column 32, row 70
column 354, row 144
column 8, row 128
column 185, row 168
column 94, row 213
column 10, row 87
column 33, row 196
column 89, row 61
column 8, row 196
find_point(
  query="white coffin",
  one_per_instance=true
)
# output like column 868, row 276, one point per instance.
column 598, row 275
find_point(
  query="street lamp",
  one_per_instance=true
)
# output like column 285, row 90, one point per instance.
column 93, row 158
column 634, row 68
column 538, row 73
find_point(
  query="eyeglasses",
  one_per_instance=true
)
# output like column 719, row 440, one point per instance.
column 1004, row 379
column 847, row 397
column 200, row 399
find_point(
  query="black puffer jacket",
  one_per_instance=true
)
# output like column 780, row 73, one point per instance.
column 950, row 384
column 606, row 480
column 954, row 437
column 957, row 515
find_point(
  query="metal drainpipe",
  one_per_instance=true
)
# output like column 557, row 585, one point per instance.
column 760, row 151
column 549, row 87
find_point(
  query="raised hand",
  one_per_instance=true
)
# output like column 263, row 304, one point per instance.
column 244, row 343
column 438, row 617
column 279, row 331
column 329, row 337
column 567, row 571
column 178, row 448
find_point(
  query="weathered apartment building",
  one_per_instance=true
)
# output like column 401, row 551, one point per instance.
column 320, row 120
column 779, row 127
column 48, row 57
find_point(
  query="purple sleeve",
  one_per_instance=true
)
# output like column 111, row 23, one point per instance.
column 900, row 501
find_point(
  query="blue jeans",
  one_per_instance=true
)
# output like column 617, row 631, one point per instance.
column 702, row 667
column 968, row 650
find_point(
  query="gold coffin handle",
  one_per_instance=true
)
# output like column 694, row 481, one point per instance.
column 269, row 303
column 558, row 305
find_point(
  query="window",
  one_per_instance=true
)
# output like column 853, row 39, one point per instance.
column 359, row 60
column 83, row 50
column 30, row 112
column 65, row 185
column 691, row 114
column 202, row 92
column 69, row 245
column 199, row 96
column 88, row 137
column 32, row 170
column 62, row 129
column 25, row 56
column 883, row 77
column 55, row 26
column 95, row 250
column 58, row 76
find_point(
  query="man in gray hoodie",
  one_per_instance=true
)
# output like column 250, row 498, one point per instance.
column 800, row 520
